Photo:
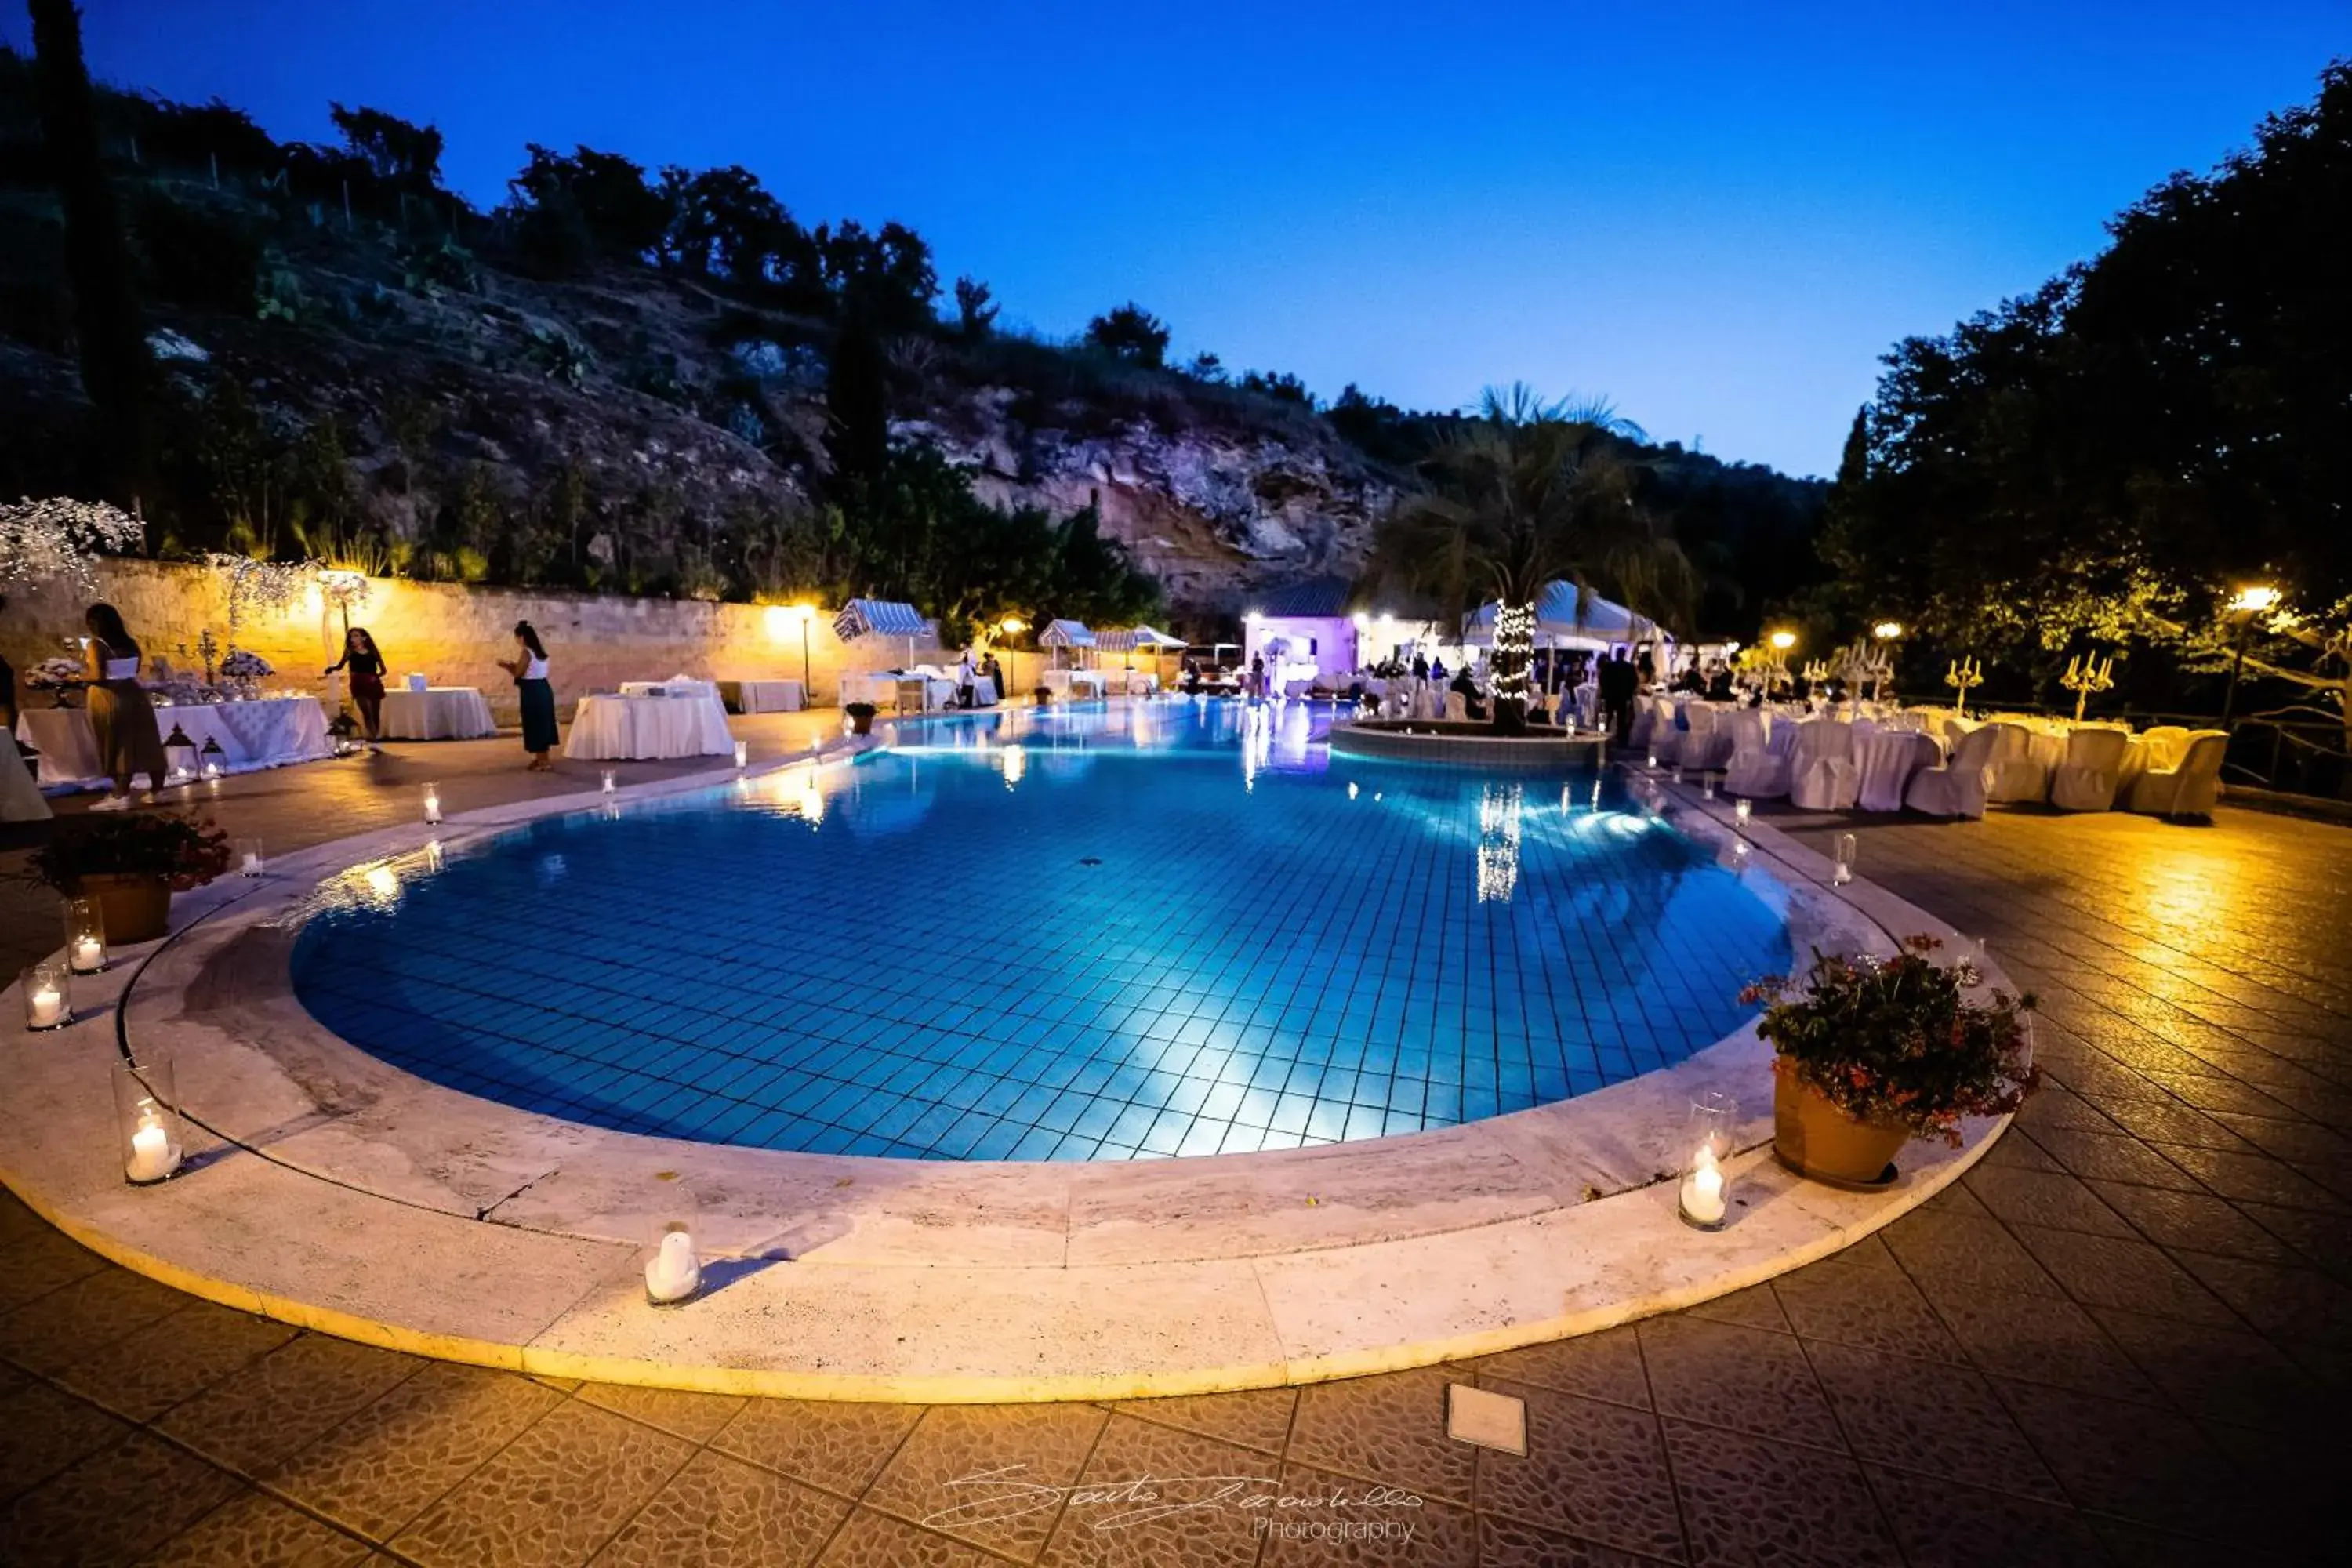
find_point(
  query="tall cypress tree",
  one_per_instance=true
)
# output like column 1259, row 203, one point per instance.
column 115, row 367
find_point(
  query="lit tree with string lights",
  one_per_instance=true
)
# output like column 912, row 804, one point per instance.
column 1527, row 492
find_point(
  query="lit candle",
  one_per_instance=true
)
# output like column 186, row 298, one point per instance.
column 1743, row 810
column 252, row 863
column 152, row 1158
column 47, row 1008
column 1701, row 1194
column 88, row 955
column 609, row 781
column 673, row 1273
column 432, row 804
column 742, row 752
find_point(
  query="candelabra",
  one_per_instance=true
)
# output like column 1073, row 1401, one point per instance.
column 2085, row 675
column 1962, row 673
column 1816, row 671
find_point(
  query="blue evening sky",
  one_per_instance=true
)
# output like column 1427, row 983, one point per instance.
column 1716, row 214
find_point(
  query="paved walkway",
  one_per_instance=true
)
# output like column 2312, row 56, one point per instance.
column 2115, row 1342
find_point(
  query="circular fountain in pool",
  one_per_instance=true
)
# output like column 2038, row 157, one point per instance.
column 1175, row 929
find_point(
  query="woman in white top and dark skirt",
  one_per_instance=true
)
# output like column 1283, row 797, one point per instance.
column 120, row 715
column 528, row 666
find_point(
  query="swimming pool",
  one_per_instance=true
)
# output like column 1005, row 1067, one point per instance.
column 1168, row 928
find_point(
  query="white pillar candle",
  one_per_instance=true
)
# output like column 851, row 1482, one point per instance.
column 610, row 781
column 673, row 1273
column 152, row 1158
column 432, row 805
column 88, row 956
column 742, row 752
column 1702, row 1194
column 47, row 1008
column 252, row 864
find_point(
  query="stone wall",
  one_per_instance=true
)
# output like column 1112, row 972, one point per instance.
column 454, row 634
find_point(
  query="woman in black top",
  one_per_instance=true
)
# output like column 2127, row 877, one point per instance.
column 365, row 661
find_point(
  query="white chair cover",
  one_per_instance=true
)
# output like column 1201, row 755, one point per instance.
column 1961, row 786
column 2087, row 779
column 1643, row 725
column 2165, row 743
column 1757, row 771
column 2192, row 787
column 1666, row 737
column 1707, row 743
column 2017, row 773
column 1457, row 706
column 1888, row 759
column 1821, row 772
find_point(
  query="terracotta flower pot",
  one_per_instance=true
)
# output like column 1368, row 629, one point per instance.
column 1815, row 1139
column 135, row 909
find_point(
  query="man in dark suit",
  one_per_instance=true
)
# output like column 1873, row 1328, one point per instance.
column 1617, row 682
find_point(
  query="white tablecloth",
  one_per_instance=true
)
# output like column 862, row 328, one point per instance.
column 20, row 799
column 676, row 686
column 648, row 727
column 270, row 732
column 1887, row 759
column 437, row 713
column 769, row 696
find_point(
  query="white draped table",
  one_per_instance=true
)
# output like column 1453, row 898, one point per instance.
column 768, row 696
column 612, row 728
column 1887, row 759
column 265, row 732
column 20, row 799
column 437, row 713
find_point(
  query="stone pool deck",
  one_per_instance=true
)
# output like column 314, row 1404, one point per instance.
column 2110, row 1341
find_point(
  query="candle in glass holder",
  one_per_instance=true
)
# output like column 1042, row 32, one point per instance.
column 432, row 803
column 1744, row 809
column 85, row 936
column 742, row 752
column 248, row 856
column 152, row 1158
column 1702, row 1194
column 1653, row 759
column 45, row 1007
column 1702, row 1199
column 612, row 780
column 1846, row 855
column 1707, row 785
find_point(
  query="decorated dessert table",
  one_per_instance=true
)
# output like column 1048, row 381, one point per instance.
column 614, row 728
column 437, row 713
column 253, row 733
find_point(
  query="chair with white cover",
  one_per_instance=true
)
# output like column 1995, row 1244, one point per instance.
column 1822, row 776
column 2165, row 745
column 2191, row 786
column 1757, row 771
column 1457, row 707
column 1707, row 745
column 1959, row 787
column 1642, row 726
column 2017, row 773
column 1665, row 741
column 1889, row 759
column 2093, row 771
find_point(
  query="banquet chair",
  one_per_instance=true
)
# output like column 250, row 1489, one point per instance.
column 1889, row 760
column 1458, row 709
column 1665, row 741
column 2164, row 744
column 2017, row 773
column 1756, row 770
column 1707, row 745
column 1961, row 786
column 2093, row 769
column 1822, row 776
column 1642, row 726
column 2191, row 786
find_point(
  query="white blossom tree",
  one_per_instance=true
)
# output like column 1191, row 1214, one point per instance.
column 59, row 538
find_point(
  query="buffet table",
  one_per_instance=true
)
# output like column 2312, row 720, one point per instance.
column 883, row 688
column 612, row 728
column 437, row 713
column 265, row 732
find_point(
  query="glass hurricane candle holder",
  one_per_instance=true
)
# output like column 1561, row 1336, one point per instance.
column 743, row 753
column 213, row 761
column 48, row 995
column 1654, row 759
column 148, row 1121
column 1707, row 785
column 248, row 856
column 85, row 936
column 432, row 803
column 1846, row 849
column 673, row 1263
column 1742, row 809
column 1704, row 1199
column 612, row 780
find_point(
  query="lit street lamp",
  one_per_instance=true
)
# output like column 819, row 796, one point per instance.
column 1010, row 626
column 2249, row 602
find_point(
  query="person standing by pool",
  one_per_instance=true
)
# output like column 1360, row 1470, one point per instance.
column 963, row 680
column 1616, row 681
column 120, row 715
column 365, row 661
column 528, row 667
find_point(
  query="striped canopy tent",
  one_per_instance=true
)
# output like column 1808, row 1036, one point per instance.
column 1066, row 636
column 1129, row 640
column 881, row 619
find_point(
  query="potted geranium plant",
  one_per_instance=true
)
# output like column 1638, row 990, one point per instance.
column 131, row 865
column 861, row 717
column 1871, row 1053
column 1045, row 696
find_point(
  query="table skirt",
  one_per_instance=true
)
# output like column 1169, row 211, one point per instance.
column 271, row 732
column 438, row 713
column 615, row 727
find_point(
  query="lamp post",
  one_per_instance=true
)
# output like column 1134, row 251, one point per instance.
column 1782, row 642
column 1010, row 626
column 2250, row 601
column 1888, row 633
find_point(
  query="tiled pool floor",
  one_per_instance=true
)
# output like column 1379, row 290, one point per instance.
column 1169, row 932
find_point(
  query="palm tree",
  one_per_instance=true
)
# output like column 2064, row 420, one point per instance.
column 1525, row 492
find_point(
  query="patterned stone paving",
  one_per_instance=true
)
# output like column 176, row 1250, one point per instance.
column 2121, row 1340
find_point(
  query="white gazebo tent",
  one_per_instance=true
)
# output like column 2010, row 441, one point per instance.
column 881, row 617
column 1568, row 619
column 1070, row 639
column 1126, row 640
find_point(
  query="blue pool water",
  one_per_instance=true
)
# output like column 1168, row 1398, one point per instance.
column 1177, row 929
